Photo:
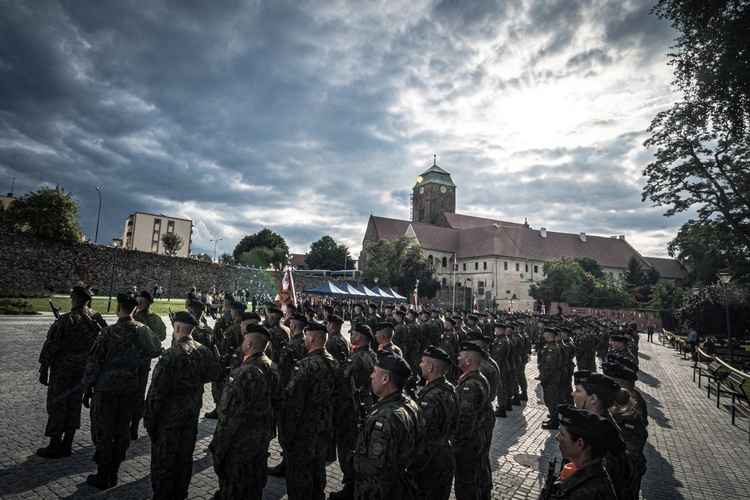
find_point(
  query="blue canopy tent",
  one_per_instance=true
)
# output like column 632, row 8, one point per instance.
column 398, row 297
column 363, row 289
column 353, row 292
column 327, row 288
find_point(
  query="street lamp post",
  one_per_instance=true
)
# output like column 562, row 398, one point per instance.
column 98, row 215
column 725, row 278
column 215, row 242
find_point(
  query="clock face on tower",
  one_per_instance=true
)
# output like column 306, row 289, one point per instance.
column 442, row 189
column 421, row 190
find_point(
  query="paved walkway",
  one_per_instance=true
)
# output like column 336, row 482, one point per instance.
column 693, row 451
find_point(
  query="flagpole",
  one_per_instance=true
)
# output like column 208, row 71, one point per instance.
column 453, row 307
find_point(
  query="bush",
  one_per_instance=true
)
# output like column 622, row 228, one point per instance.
column 16, row 306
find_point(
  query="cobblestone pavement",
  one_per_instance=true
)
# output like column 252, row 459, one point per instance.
column 693, row 451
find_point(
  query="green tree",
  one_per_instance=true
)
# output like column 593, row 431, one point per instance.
column 172, row 243
column 399, row 264
column 227, row 258
column 590, row 266
column 666, row 296
column 327, row 254
column 634, row 276
column 47, row 213
column 262, row 249
column 204, row 256
column 563, row 281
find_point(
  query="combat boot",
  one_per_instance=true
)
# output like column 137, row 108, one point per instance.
column 278, row 471
column 551, row 424
column 67, row 443
column 101, row 478
column 515, row 401
column 213, row 414
column 346, row 493
column 523, row 396
column 134, row 429
column 113, row 472
column 53, row 449
column 500, row 412
column 508, row 406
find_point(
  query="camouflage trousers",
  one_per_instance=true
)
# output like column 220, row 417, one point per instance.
column 110, row 424
column 142, row 383
column 512, row 383
column 436, row 477
column 467, row 486
column 64, row 396
column 306, row 467
column 485, row 469
column 345, row 423
column 172, row 459
column 521, row 376
column 503, row 388
column 242, row 468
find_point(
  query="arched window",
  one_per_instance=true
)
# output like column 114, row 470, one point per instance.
column 444, row 282
column 429, row 259
column 445, row 261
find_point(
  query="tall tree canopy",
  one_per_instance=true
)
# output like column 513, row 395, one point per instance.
column 327, row 254
column 47, row 213
column 262, row 249
column 399, row 263
column 172, row 243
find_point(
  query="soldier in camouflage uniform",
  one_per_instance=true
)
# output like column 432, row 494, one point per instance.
column 307, row 416
column 389, row 438
column 356, row 372
column 384, row 336
column 202, row 333
column 584, row 438
column 373, row 318
column 449, row 343
column 112, row 375
column 434, row 465
column 513, row 373
column 152, row 320
column 244, row 431
column 402, row 335
column 279, row 333
column 414, row 356
column 552, row 366
column 500, row 353
column 220, row 326
column 569, row 350
column 336, row 344
column 426, row 338
column 469, row 437
column 519, row 361
column 620, row 346
column 62, row 363
column 231, row 340
column 173, row 406
column 358, row 316
column 437, row 327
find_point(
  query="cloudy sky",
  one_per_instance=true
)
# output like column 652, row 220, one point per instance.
column 308, row 116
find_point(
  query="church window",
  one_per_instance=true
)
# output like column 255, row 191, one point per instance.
column 445, row 262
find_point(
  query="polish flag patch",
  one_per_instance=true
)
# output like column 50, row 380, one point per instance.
column 423, row 404
column 230, row 379
column 378, row 426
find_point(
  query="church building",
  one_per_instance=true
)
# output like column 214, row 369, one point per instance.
column 496, row 261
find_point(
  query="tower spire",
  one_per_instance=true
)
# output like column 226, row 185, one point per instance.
column 434, row 160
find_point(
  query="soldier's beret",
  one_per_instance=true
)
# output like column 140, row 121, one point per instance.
column 335, row 318
column 251, row 328
column 328, row 309
column 82, row 291
column 616, row 370
column 359, row 305
column 238, row 306
column 228, row 296
column 456, row 319
column 364, row 330
column 476, row 335
column 146, row 295
column 500, row 325
column 185, row 317
column 472, row 317
column 315, row 326
column 250, row 315
column 450, row 320
column 274, row 310
column 465, row 311
column 435, row 352
column 623, row 360
column 197, row 305
column 310, row 310
column 299, row 317
column 424, row 311
column 589, row 379
column 127, row 300
column 399, row 312
column 448, row 311
column 433, row 310
column 483, row 314
column 565, row 329
column 372, row 305
column 382, row 325
column 469, row 346
column 616, row 337
column 388, row 306
column 591, row 427
column 291, row 307
column 550, row 330
column 192, row 296
column 412, row 312
column 392, row 362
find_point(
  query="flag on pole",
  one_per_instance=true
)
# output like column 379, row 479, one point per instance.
column 415, row 298
column 475, row 307
column 455, row 263
column 286, row 290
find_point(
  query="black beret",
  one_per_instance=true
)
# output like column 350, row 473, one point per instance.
column 587, row 378
column 228, row 296
column 472, row 317
column 299, row 317
column 623, row 360
column 364, row 330
column 469, row 346
column 197, row 305
column 146, row 295
column 82, row 291
column 274, row 310
column 250, row 315
column 591, row 426
column 550, row 330
column 388, row 306
column 392, row 362
column 310, row 310
column 314, row 326
column 399, row 312
column 328, row 309
column 238, row 306
column 192, row 296
column 412, row 311
column 616, row 337
column 435, row 352
column 448, row 311
column 127, row 300
column 372, row 305
column 565, row 329
column 465, row 311
column 185, row 317
column 617, row 370
column 258, row 329
column 450, row 320
column 359, row 305
column 500, row 325
column 382, row 325
column 433, row 310
column 335, row 318
column 456, row 319
column 473, row 335
column 424, row 311
column 291, row 306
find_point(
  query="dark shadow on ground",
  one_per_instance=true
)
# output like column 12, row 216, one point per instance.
column 660, row 481
column 35, row 471
column 644, row 356
column 654, row 411
column 648, row 380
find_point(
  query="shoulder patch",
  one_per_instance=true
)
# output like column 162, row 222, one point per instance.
column 628, row 426
column 230, row 380
column 378, row 426
column 423, row 404
column 466, row 389
column 296, row 369
column 348, row 361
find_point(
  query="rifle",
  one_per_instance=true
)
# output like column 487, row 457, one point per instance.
column 550, row 481
column 359, row 405
column 171, row 316
column 55, row 310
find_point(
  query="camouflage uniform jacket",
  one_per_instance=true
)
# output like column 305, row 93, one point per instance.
column 415, row 335
column 390, row 346
column 176, row 391
column 68, row 343
column 402, row 338
column 439, row 406
column 153, row 321
column 310, row 393
column 356, row 372
column 473, row 400
column 220, row 326
column 295, row 351
column 338, row 347
column 551, row 360
column 491, row 372
column 233, row 339
column 116, row 353
column 359, row 319
column 385, row 448
column 203, row 334
column 501, row 352
column 589, row 483
column 449, row 342
column 279, row 341
column 251, row 395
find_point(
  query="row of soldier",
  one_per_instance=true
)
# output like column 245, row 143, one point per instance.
column 305, row 410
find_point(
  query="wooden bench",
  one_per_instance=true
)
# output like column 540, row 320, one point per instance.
column 715, row 377
column 740, row 400
column 700, row 366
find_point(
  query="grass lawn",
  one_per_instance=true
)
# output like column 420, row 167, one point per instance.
column 99, row 304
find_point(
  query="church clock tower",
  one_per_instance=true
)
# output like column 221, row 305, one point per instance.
column 433, row 194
